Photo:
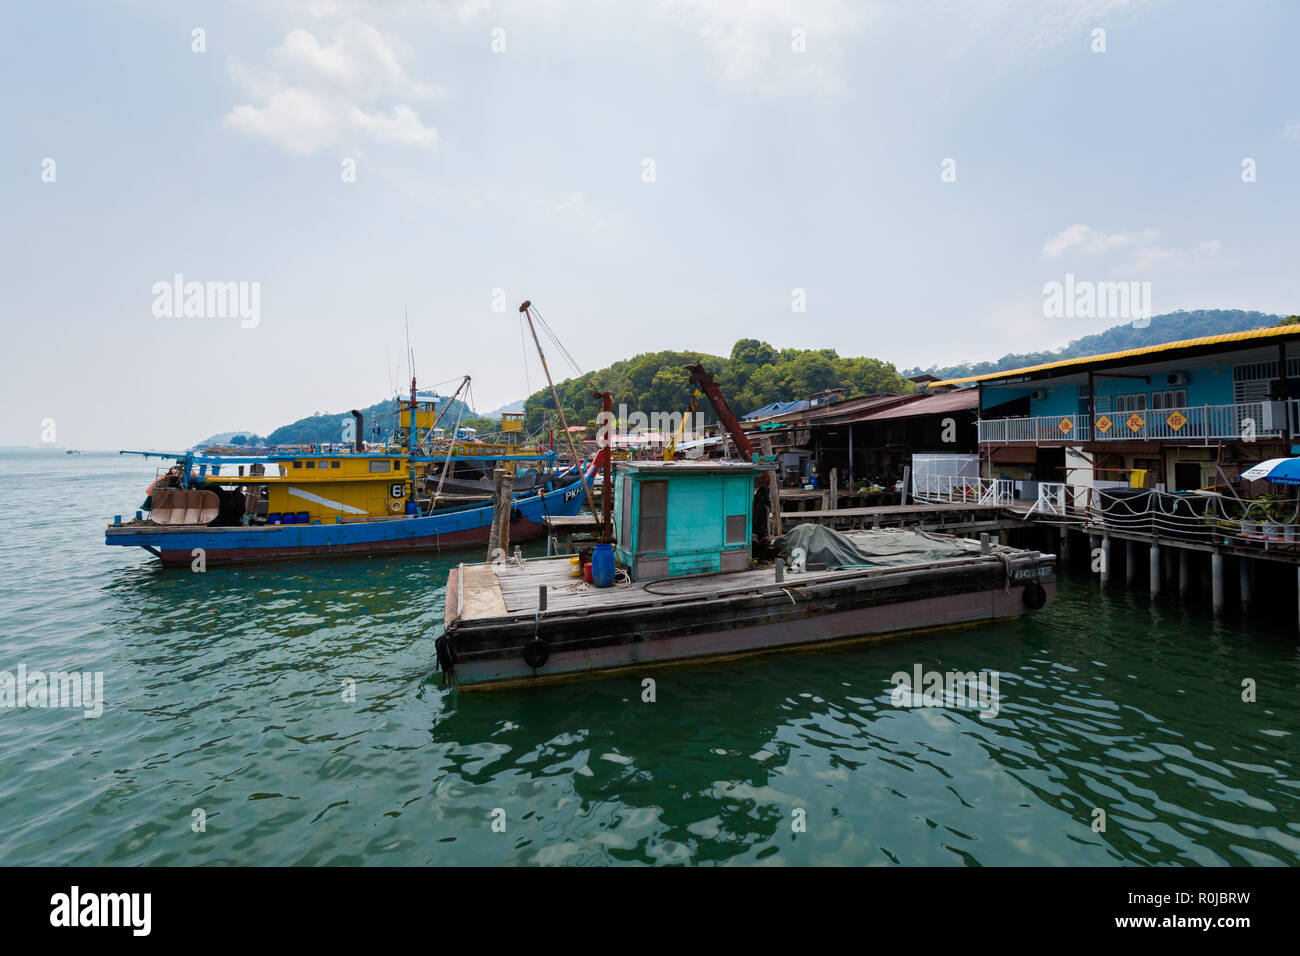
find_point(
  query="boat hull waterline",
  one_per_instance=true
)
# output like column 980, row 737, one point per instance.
column 175, row 546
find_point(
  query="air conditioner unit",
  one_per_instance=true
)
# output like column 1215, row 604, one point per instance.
column 1176, row 378
column 1038, row 394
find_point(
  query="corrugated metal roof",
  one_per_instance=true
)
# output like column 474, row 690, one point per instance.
column 854, row 409
column 961, row 400
column 1249, row 334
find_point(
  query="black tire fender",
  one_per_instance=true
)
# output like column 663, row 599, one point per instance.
column 1034, row 595
column 536, row 653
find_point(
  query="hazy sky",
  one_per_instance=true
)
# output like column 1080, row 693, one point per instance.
column 657, row 174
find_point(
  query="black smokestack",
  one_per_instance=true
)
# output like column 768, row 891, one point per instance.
column 360, row 443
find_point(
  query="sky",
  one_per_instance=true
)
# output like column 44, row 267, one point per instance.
column 892, row 179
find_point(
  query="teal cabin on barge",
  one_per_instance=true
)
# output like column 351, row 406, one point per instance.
column 680, row 518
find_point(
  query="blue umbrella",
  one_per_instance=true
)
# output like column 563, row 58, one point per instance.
column 1280, row 471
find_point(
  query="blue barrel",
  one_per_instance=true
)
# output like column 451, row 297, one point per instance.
column 602, row 565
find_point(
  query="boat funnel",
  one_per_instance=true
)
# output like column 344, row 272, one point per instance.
column 360, row 436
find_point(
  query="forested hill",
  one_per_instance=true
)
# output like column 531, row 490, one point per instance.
column 328, row 426
column 1163, row 328
column 754, row 375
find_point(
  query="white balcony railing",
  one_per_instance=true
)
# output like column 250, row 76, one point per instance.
column 957, row 489
column 1245, row 421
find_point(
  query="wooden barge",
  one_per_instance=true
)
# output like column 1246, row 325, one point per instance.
column 690, row 590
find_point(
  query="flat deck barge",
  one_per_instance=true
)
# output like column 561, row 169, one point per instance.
column 531, row 622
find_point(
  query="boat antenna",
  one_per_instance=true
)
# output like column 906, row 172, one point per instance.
column 526, row 309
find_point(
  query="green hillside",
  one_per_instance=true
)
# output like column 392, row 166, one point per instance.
column 754, row 375
column 328, row 426
column 1163, row 328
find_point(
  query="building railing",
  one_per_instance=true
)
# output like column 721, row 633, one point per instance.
column 1243, row 421
column 1213, row 520
column 958, row 489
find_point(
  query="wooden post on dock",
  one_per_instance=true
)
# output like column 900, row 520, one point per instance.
column 1156, row 570
column 494, row 532
column 1130, row 563
column 835, row 489
column 1184, row 572
column 1243, row 579
column 1105, row 559
column 773, row 489
column 503, row 483
column 1216, row 582
column 1065, row 543
column 506, row 507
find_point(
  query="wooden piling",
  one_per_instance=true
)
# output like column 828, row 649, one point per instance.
column 1105, row 559
column 1184, row 572
column 1156, row 571
column 506, row 506
column 1130, row 563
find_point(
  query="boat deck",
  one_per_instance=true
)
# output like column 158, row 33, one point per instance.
column 510, row 590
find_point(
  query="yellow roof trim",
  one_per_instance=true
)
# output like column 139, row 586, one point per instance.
column 1275, row 331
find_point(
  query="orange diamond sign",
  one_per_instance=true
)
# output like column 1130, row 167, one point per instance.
column 1065, row 426
column 1176, row 420
column 1104, row 424
column 1134, row 422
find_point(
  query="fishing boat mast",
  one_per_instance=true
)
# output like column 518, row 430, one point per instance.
column 526, row 308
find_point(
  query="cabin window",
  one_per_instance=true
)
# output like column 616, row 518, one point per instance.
column 397, row 466
column 380, row 466
column 311, row 464
column 297, row 464
column 334, row 464
column 737, row 529
column 652, row 524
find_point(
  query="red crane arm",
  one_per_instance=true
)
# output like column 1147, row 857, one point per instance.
column 707, row 384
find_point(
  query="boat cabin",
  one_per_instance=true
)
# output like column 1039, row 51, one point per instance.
column 679, row 518
column 323, row 489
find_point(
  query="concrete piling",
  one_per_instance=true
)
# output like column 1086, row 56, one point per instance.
column 1216, row 583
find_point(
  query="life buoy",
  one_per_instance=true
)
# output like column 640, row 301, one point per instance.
column 394, row 506
column 536, row 653
column 1034, row 595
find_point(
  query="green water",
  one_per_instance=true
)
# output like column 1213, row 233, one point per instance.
column 225, row 693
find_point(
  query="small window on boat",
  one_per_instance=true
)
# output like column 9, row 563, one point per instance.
column 397, row 466
column 297, row 464
column 334, row 464
column 737, row 532
column 311, row 464
column 378, row 466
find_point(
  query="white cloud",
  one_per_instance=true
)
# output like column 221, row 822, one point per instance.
column 1291, row 132
column 752, row 41
column 1145, row 250
column 316, row 95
